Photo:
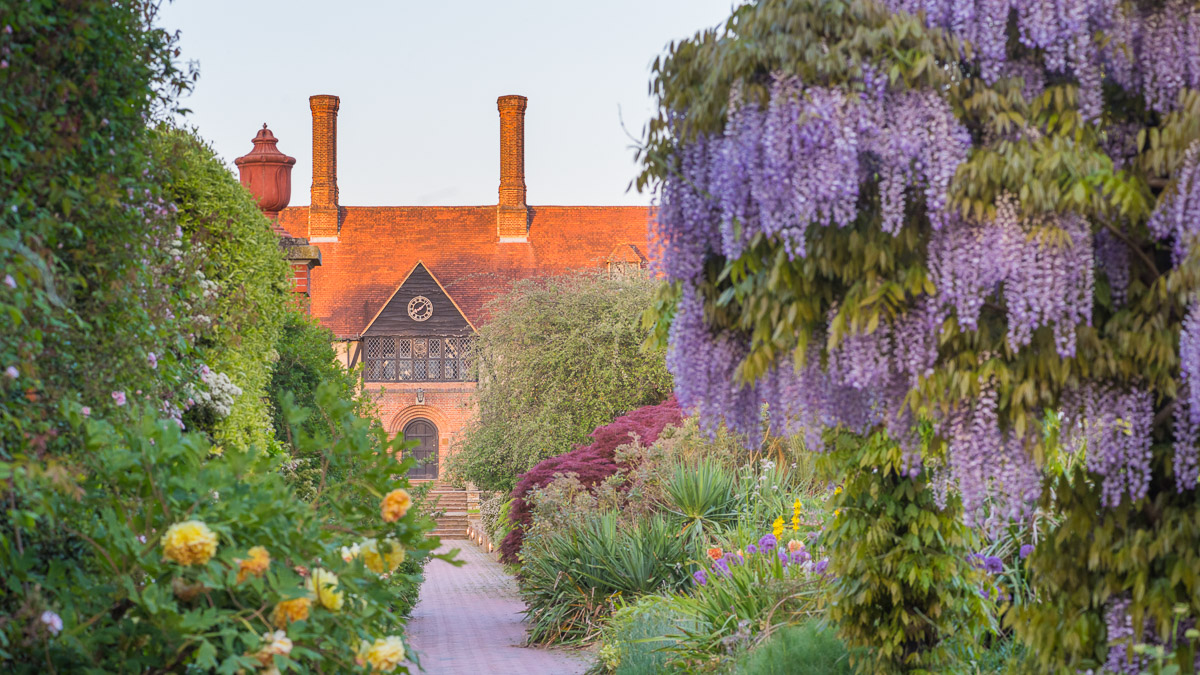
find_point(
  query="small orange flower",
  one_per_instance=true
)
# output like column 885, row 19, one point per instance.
column 715, row 553
column 256, row 564
column 395, row 505
column 795, row 545
column 288, row 611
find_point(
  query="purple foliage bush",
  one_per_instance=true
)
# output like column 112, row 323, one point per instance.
column 591, row 464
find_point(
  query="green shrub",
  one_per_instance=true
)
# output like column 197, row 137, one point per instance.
column 571, row 579
column 637, row 639
column 902, row 581
column 128, row 604
column 559, row 358
column 810, row 648
column 250, row 279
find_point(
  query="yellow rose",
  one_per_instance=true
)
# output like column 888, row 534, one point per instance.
column 272, row 644
column 395, row 505
column 384, row 655
column 256, row 564
column 378, row 561
column 323, row 587
column 288, row 611
column 189, row 543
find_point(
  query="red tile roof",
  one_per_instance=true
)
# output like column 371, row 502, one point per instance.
column 378, row 246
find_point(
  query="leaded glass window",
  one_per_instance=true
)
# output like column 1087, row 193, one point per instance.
column 417, row 359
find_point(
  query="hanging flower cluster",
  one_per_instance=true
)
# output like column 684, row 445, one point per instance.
column 968, row 174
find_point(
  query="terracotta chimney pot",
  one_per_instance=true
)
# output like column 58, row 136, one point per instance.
column 267, row 173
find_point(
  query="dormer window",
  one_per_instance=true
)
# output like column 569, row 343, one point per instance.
column 419, row 335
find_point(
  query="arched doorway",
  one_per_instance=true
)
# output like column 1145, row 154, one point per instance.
column 426, row 453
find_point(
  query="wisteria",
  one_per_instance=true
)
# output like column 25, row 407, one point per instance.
column 1187, row 406
column 987, row 461
column 1155, row 50
column 871, row 154
column 1114, row 427
column 1177, row 218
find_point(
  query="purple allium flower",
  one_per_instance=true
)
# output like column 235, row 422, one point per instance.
column 12, row 372
column 985, row 593
column 993, row 564
column 152, row 359
column 10, row 281
column 801, row 556
column 119, row 397
column 783, row 557
column 821, row 566
column 85, row 411
column 767, row 543
column 751, row 549
column 721, row 567
column 700, row 577
column 733, row 558
column 1026, row 550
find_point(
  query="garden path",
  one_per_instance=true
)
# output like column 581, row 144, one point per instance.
column 469, row 620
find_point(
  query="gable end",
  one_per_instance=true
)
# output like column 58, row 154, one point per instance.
column 394, row 318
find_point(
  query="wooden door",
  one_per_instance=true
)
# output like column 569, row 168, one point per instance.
column 426, row 453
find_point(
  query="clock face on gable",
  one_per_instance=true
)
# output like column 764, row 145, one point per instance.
column 420, row 308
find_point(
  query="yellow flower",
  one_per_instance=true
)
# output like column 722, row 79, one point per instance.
column 395, row 505
column 256, row 564
column 288, row 611
column 323, row 587
column 795, row 523
column 837, row 512
column 837, row 490
column 381, row 562
column 272, row 644
column 384, row 655
column 777, row 527
column 189, row 543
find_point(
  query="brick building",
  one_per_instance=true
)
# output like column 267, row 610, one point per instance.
column 405, row 288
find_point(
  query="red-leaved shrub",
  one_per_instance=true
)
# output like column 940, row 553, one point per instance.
column 590, row 463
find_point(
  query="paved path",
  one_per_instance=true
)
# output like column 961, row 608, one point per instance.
column 469, row 620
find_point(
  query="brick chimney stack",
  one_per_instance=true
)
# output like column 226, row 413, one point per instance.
column 512, row 215
column 323, row 211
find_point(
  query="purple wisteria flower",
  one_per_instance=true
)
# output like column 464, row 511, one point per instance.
column 700, row 577
column 767, row 543
column 1026, row 550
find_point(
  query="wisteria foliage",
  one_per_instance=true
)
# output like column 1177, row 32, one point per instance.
column 992, row 280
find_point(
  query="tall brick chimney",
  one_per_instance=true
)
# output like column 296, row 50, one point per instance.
column 512, row 215
column 323, row 211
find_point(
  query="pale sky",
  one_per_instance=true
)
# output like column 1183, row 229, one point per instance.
column 418, row 83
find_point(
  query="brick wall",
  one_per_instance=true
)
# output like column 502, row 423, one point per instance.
column 448, row 405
